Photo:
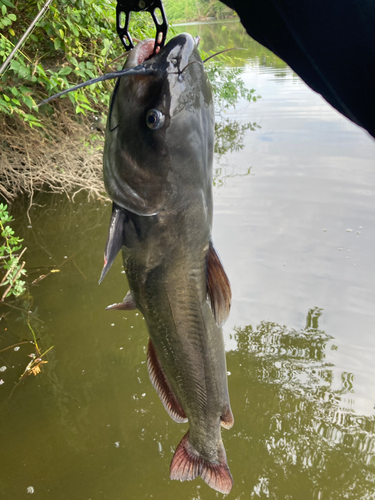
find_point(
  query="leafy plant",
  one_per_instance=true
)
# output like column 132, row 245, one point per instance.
column 184, row 10
column 228, row 86
column 10, row 260
column 73, row 42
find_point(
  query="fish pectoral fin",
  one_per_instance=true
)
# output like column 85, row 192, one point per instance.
column 128, row 304
column 114, row 240
column 227, row 419
column 162, row 386
column 218, row 286
column 188, row 463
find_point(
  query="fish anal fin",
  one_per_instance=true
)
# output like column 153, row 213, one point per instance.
column 227, row 419
column 163, row 387
column 218, row 286
column 128, row 304
column 187, row 464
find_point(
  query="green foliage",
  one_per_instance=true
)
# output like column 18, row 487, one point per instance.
column 184, row 10
column 9, row 259
column 228, row 86
column 71, row 43
column 7, row 18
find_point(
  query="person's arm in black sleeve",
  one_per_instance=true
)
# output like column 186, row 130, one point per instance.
column 330, row 44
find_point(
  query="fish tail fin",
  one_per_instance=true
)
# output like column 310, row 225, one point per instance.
column 187, row 464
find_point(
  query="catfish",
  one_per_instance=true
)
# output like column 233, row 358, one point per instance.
column 158, row 159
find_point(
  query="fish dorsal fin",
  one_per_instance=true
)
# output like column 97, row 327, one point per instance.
column 114, row 240
column 128, row 304
column 163, row 387
column 227, row 419
column 218, row 286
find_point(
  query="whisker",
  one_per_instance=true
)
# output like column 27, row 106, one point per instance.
column 125, row 54
column 108, row 76
column 192, row 62
column 222, row 51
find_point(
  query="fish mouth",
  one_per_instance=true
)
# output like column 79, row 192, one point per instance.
column 143, row 53
column 144, row 50
column 143, row 62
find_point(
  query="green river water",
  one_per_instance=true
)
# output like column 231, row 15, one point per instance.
column 294, row 224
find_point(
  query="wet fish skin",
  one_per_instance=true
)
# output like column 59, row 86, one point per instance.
column 161, row 183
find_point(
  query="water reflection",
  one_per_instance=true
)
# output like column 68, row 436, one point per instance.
column 229, row 135
column 103, row 430
column 292, row 417
column 229, row 138
column 229, row 35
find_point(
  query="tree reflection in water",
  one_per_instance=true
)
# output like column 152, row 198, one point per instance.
column 229, row 135
column 290, row 431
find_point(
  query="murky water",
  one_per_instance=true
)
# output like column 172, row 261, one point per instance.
column 294, row 225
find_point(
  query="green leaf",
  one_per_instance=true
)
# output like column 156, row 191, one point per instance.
column 79, row 96
column 41, row 70
column 30, row 103
column 33, row 121
column 8, row 3
column 80, row 73
column 85, row 106
column 65, row 71
column 73, row 61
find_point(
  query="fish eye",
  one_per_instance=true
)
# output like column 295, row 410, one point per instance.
column 155, row 119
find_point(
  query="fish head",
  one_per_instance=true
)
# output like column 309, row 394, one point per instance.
column 160, row 130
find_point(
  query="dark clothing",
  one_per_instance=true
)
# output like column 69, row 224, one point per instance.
column 330, row 44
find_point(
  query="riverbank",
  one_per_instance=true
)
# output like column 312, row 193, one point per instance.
column 65, row 156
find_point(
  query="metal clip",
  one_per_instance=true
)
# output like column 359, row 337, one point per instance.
column 125, row 7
